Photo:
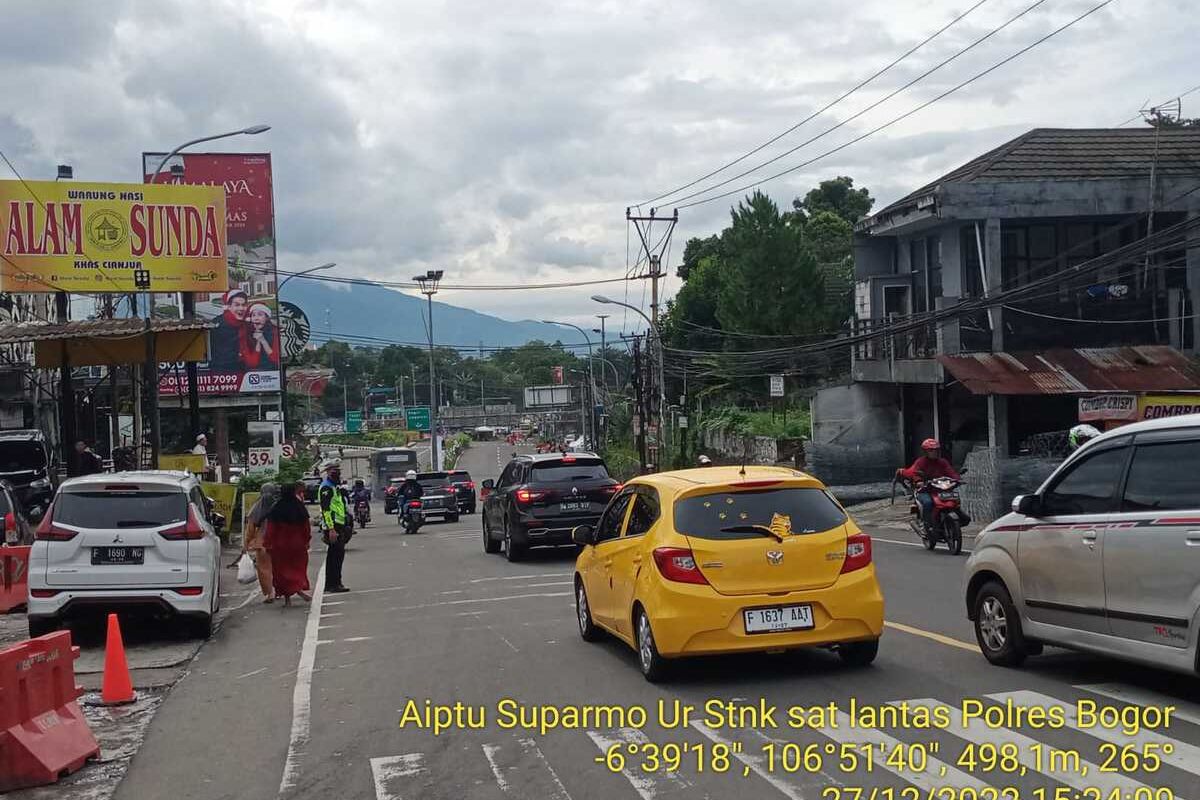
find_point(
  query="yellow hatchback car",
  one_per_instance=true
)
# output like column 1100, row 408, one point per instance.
column 724, row 560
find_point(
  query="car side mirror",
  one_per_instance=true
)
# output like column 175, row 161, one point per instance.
column 488, row 485
column 583, row 535
column 35, row 514
column 217, row 520
column 1027, row 504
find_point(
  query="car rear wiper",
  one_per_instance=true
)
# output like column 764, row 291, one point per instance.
column 760, row 529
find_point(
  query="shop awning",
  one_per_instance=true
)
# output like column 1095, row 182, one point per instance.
column 109, row 342
column 1153, row 368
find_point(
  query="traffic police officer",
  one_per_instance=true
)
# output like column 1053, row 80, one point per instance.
column 336, row 524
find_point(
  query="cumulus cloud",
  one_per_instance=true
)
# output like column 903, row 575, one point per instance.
column 503, row 145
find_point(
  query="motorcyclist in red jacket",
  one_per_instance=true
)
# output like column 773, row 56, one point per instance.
column 928, row 465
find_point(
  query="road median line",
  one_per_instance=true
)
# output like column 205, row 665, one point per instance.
column 937, row 637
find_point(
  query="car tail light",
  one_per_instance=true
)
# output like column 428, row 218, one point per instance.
column 192, row 529
column 414, row 503
column 529, row 496
column 616, row 487
column 470, row 484
column 47, row 531
column 390, row 490
column 858, row 552
column 190, row 591
column 568, row 459
column 43, row 593
column 756, row 484
column 678, row 564
column 10, row 522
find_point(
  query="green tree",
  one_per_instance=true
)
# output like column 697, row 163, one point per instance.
column 695, row 251
column 829, row 236
column 839, row 196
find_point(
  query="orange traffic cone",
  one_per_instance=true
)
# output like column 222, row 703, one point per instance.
column 118, row 687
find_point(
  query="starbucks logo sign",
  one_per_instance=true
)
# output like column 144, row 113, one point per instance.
column 293, row 329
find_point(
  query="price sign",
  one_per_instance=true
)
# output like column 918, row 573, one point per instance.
column 261, row 458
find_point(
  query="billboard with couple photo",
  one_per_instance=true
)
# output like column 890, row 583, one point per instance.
column 244, row 348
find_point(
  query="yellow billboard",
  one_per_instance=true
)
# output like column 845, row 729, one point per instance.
column 1152, row 406
column 94, row 237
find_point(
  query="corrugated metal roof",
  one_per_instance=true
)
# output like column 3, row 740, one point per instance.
column 1153, row 368
column 98, row 328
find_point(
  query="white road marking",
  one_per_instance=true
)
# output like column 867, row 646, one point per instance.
column 503, row 639
column 248, row 674
column 481, row 600
column 1182, row 755
column 454, row 591
column 756, row 763
column 542, row 585
column 936, row 773
column 302, row 693
column 250, row 596
column 380, row 589
column 522, row 577
column 386, row 770
column 554, row 791
column 646, row 784
column 334, row 614
column 358, row 639
column 1184, row 710
column 1087, row 777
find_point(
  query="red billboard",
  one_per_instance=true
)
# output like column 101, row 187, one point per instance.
column 245, row 348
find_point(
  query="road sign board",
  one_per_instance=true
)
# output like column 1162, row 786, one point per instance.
column 417, row 418
column 261, row 458
column 353, row 421
column 288, row 450
column 776, row 386
column 683, row 422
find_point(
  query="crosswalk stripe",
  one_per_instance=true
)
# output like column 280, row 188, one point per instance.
column 756, row 763
column 646, row 784
column 554, row 791
column 1088, row 777
column 1184, row 710
column 935, row 775
column 1181, row 754
column 387, row 770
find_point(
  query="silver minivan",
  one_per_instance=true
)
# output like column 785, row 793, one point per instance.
column 1104, row 557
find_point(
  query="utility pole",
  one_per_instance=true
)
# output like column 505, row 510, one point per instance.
column 639, row 421
column 429, row 286
column 653, row 257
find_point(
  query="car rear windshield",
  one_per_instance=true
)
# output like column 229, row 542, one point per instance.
column 558, row 471
column 433, row 483
column 460, row 476
column 20, row 456
column 110, row 509
column 724, row 515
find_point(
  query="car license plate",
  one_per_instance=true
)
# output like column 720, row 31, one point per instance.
column 118, row 555
column 574, row 505
column 780, row 618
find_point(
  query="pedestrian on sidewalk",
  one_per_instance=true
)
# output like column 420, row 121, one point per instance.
column 252, row 541
column 336, row 523
column 288, row 532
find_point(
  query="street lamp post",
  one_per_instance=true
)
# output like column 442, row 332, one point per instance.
column 188, row 310
column 283, row 405
column 589, row 421
column 429, row 286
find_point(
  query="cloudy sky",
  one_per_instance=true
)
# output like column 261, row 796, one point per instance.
column 502, row 142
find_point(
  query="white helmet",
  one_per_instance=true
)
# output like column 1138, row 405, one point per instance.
column 1081, row 434
column 411, row 475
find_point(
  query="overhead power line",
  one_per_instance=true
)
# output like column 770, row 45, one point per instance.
column 900, row 118
column 460, row 287
column 823, row 109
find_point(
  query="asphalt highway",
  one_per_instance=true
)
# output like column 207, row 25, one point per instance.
column 307, row 702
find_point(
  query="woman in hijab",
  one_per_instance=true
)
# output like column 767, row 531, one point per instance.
column 252, row 542
column 289, row 531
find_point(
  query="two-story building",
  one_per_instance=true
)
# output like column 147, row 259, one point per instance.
column 1045, row 241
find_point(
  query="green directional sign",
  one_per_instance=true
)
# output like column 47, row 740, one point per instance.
column 353, row 421
column 387, row 410
column 417, row 418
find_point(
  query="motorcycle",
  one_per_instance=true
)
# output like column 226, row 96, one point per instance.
column 411, row 517
column 362, row 513
column 946, row 518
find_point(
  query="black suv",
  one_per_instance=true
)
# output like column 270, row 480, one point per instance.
column 461, row 479
column 25, row 464
column 540, row 498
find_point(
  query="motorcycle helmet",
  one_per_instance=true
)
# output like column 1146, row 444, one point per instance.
column 1081, row 435
column 358, row 483
column 411, row 475
column 931, row 444
column 705, row 461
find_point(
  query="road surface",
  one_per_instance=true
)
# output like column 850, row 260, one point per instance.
column 307, row 702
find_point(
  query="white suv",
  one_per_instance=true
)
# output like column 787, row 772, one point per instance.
column 126, row 540
column 1104, row 557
